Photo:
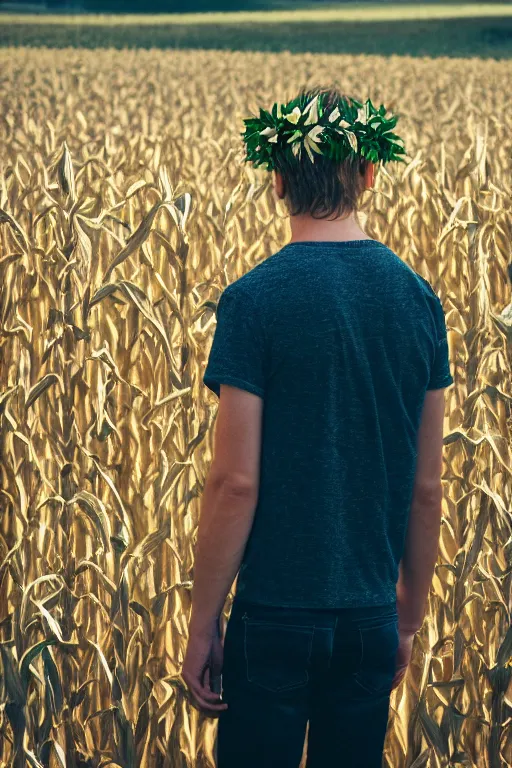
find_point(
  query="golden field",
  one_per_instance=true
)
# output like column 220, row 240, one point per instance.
column 125, row 209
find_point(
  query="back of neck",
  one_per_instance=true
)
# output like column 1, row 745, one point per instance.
column 306, row 228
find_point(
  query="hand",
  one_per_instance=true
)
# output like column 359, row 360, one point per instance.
column 201, row 670
column 403, row 655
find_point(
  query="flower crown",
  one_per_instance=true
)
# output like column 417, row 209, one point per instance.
column 344, row 129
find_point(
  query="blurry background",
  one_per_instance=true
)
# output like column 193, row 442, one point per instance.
column 418, row 29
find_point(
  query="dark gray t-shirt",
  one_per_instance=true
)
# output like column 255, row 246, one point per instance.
column 341, row 340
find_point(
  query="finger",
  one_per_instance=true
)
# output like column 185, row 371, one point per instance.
column 216, row 668
column 204, row 709
column 206, row 706
column 213, row 681
column 217, row 656
column 215, row 672
column 216, row 684
column 209, row 713
column 207, row 694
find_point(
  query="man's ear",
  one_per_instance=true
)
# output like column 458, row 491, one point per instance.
column 278, row 183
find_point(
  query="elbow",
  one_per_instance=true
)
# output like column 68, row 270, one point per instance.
column 428, row 494
column 426, row 507
column 235, row 486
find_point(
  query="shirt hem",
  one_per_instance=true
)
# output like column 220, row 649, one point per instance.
column 356, row 603
column 232, row 381
column 447, row 382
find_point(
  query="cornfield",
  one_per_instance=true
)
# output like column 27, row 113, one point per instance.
column 125, row 210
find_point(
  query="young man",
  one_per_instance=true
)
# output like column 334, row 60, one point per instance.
column 324, row 495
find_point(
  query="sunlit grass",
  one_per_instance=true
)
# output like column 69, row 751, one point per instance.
column 351, row 12
column 125, row 210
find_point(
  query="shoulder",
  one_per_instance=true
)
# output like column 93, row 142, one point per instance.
column 418, row 289
column 427, row 288
column 413, row 279
column 254, row 283
column 243, row 299
column 432, row 298
column 416, row 280
column 434, row 306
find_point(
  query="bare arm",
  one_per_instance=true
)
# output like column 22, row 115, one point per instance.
column 422, row 540
column 228, row 505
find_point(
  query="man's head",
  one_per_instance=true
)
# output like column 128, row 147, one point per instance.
column 324, row 189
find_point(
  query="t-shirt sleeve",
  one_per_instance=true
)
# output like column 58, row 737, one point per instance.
column 237, row 352
column 440, row 374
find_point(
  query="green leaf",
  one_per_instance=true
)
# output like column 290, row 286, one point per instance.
column 31, row 758
column 14, row 690
column 375, row 140
column 52, row 678
column 28, row 657
column 41, row 386
column 505, row 651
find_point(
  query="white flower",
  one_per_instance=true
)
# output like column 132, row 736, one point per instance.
column 314, row 133
column 297, row 149
column 273, row 139
column 352, row 138
column 312, row 108
column 296, row 135
column 308, row 149
column 362, row 114
column 344, row 124
column 311, row 147
column 294, row 116
column 335, row 114
column 269, row 132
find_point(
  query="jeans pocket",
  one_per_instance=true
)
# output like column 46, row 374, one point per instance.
column 379, row 640
column 277, row 655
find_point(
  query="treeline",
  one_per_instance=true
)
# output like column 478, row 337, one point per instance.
column 202, row 6
column 193, row 6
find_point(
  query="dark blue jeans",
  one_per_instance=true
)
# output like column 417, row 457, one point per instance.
column 284, row 667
